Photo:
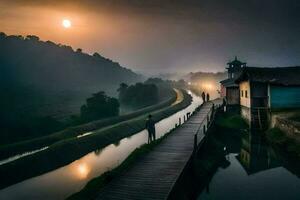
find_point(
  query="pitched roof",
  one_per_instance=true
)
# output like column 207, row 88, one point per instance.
column 277, row 76
column 236, row 62
column 230, row 82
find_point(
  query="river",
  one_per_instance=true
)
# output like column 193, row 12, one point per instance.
column 254, row 171
column 240, row 165
column 64, row 181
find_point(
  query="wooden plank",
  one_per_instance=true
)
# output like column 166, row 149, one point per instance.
column 153, row 176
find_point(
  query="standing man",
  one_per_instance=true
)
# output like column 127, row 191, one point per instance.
column 207, row 97
column 150, row 126
column 203, row 96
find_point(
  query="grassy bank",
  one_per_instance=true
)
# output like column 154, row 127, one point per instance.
column 90, row 191
column 37, row 143
column 281, row 141
column 66, row 151
column 287, row 150
column 231, row 120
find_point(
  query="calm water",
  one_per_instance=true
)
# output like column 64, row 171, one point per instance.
column 253, row 171
column 62, row 182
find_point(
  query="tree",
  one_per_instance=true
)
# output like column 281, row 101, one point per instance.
column 2, row 35
column 138, row 95
column 97, row 55
column 122, row 89
column 99, row 106
column 32, row 38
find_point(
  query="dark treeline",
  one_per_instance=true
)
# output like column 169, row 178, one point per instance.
column 147, row 93
column 99, row 106
column 138, row 95
column 42, row 84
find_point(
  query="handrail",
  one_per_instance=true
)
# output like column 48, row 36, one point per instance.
column 208, row 119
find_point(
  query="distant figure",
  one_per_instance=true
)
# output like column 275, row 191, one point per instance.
column 150, row 126
column 203, row 96
column 224, row 104
column 207, row 97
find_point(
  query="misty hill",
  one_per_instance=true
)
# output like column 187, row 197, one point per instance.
column 205, row 76
column 44, row 78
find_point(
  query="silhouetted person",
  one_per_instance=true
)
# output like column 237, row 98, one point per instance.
column 224, row 104
column 207, row 97
column 150, row 126
column 203, row 96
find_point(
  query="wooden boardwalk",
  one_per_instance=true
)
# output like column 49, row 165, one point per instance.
column 153, row 176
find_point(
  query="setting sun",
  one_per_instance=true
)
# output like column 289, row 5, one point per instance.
column 66, row 23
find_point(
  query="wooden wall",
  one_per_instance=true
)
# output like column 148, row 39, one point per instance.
column 245, row 101
column 223, row 91
column 284, row 97
column 232, row 95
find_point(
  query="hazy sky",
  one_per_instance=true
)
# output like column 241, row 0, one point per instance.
column 166, row 36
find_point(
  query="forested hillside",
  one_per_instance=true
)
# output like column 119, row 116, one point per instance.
column 41, row 79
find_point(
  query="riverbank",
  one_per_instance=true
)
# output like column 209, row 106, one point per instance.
column 64, row 152
column 41, row 142
column 235, row 163
column 90, row 191
column 172, row 155
column 288, row 149
column 285, row 138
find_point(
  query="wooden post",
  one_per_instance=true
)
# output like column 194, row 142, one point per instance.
column 195, row 143
column 259, row 119
column 207, row 119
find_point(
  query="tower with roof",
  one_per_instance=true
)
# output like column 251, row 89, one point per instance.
column 229, row 89
column 234, row 68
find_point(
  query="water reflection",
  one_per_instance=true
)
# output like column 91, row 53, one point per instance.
column 237, row 165
column 98, row 152
column 117, row 143
column 62, row 182
column 82, row 170
column 254, row 172
column 255, row 156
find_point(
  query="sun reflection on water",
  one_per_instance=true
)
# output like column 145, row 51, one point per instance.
column 82, row 170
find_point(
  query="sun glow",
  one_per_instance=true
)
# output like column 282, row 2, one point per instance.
column 83, row 171
column 208, row 86
column 66, row 23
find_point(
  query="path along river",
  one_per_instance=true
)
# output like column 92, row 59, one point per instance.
column 64, row 181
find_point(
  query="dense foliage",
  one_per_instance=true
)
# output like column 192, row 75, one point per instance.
column 99, row 106
column 138, row 95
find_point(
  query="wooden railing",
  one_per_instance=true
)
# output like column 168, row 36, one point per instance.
column 204, row 126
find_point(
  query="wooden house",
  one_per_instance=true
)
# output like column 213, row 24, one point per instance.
column 230, row 89
column 263, row 90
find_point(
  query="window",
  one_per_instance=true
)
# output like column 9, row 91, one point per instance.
column 242, row 93
column 246, row 93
